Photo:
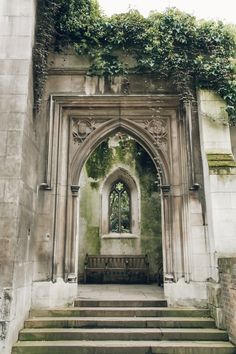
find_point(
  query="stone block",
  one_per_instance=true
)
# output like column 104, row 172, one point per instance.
column 198, row 231
column 10, row 167
column 12, row 191
column 11, row 121
column 221, row 200
column 13, row 104
column 16, row 25
column 6, row 271
column 25, row 248
column 26, row 221
column 214, row 294
column 8, row 210
column 7, row 249
column 23, row 274
column 213, row 123
column 196, row 219
column 15, row 121
column 223, row 183
column 8, row 227
column 218, row 315
column 77, row 84
column 2, row 190
column 9, row 84
column 198, row 244
column 14, row 143
column 195, row 205
column 3, row 142
column 59, row 84
column 15, row 67
column 186, row 294
column 17, row 8
column 15, row 47
column 47, row 294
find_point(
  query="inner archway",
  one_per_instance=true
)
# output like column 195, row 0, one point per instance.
column 120, row 171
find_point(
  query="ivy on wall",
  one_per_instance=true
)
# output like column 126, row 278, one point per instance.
column 173, row 45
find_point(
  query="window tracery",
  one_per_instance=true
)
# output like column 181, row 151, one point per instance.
column 119, row 208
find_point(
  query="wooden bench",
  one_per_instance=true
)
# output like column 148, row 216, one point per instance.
column 116, row 269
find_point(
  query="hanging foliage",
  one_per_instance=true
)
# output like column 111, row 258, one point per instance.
column 173, row 45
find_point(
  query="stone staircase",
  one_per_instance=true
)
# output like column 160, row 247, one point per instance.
column 120, row 326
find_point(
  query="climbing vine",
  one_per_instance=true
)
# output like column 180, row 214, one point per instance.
column 173, row 45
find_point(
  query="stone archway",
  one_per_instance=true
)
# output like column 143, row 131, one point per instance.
column 79, row 124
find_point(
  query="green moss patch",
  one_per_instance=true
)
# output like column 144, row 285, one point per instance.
column 221, row 164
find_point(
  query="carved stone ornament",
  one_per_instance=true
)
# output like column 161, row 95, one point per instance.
column 158, row 130
column 82, row 128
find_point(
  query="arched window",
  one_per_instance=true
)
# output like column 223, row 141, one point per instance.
column 120, row 205
column 119, row 208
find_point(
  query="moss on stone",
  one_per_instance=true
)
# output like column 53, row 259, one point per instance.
column 93, row 240
column 221, row 164
column 99, row 161
column 220, row 157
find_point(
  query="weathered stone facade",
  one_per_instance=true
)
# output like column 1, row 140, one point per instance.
column 18, row 177
column 41, row 162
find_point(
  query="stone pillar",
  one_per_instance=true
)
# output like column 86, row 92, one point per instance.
column 219, row 170
column 18, row 166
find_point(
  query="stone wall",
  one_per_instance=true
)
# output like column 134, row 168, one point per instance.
column 219, row 178
column 18, row 153
column 227, row 270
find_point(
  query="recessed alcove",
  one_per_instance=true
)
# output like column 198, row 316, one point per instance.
column 121, row 168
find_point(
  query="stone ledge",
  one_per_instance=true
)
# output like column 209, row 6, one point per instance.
column 221, row 164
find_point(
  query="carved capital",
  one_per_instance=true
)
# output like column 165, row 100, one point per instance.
column 74, row 190
column 165, row 189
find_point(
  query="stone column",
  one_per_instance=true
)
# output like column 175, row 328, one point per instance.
column 167, row 233
column 71, row 254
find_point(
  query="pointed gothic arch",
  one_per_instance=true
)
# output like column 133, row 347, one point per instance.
column 111, row 127
column 79, row 124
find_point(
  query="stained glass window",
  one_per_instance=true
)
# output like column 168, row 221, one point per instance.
column 119, row 203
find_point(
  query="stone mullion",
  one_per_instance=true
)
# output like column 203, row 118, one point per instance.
column 167, row 235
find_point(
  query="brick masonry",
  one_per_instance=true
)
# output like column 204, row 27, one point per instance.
column 227, row 270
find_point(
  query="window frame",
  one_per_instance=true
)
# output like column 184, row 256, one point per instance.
column 120, row 173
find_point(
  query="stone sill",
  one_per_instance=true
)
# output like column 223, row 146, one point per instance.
column 120, row 236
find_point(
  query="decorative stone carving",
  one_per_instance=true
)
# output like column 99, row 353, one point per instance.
column 74, row 190
column 82, row 128
column 158, row 130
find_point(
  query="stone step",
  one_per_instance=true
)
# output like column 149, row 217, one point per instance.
column 120, row 312
column 121, row 347
column 56, row 334
column 120, row 322
column 120, row 303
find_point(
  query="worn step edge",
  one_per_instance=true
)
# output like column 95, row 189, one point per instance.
column 120, row 303
column 122, row 334
column 113, row 343
column 179, row 322
column 120, row 311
